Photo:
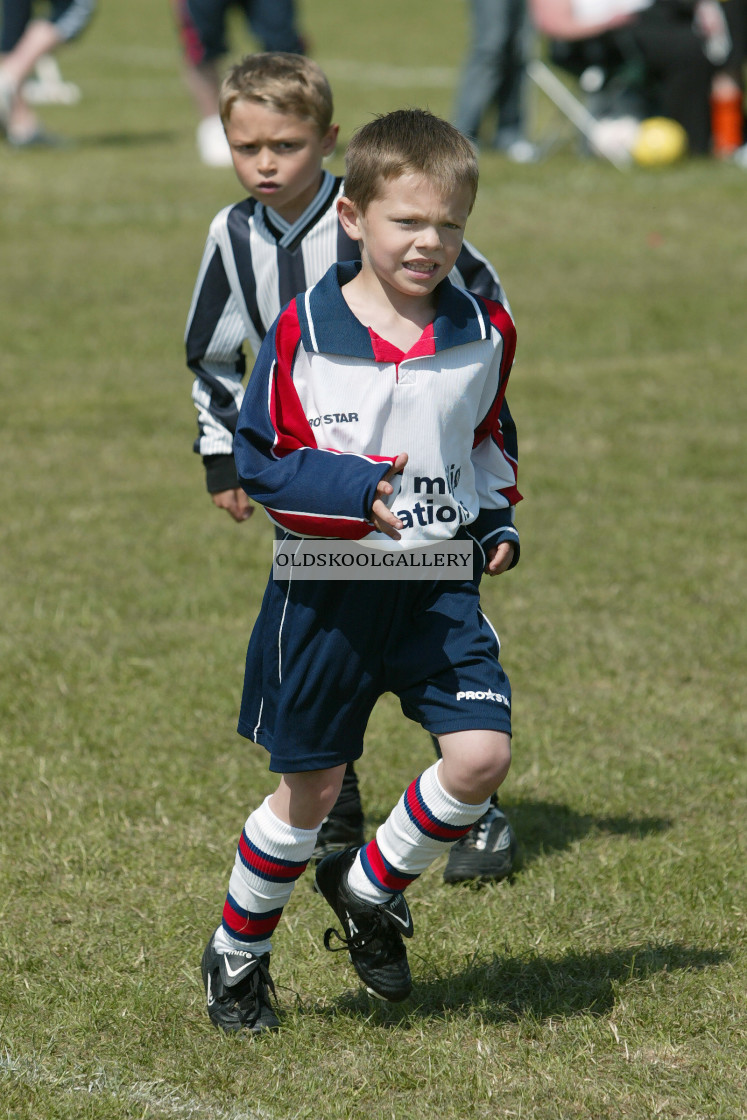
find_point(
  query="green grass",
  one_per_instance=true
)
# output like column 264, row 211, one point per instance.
column 607, row 980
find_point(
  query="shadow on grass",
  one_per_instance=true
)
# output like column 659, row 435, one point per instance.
column 537, row 988
column 545, row 826
column 126, row 139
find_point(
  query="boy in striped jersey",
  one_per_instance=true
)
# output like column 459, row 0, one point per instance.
column 277, row 110
column 418, row 369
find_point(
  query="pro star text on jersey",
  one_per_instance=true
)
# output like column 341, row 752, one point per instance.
column 333, row 418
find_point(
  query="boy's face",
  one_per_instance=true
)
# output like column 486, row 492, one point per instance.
column 278, row 156
column 411, row 234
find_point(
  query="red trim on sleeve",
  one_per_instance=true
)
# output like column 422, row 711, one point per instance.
column 319, row 525
column 286, row 412
column 490, row 426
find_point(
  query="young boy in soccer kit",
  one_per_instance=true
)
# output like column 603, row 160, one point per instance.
column 277, row 110
column 422, row 366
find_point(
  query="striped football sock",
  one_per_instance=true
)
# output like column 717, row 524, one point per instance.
column 271, row 856
column 422, row 826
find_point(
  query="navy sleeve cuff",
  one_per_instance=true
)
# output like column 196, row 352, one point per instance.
column 493, row 527
column 220, row 473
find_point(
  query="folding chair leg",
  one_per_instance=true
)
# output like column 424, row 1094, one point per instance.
column 571, row 107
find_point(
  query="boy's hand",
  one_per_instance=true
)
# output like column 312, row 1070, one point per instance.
column 381, row 515
column 234, row 502
column 499, row 558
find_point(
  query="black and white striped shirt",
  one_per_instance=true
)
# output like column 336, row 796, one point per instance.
column 254, row 263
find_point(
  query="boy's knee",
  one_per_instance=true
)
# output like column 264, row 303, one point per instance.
column 474, row 763
column 491, row 765
column 304, row 799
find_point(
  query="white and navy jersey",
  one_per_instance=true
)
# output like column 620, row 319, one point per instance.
column 254, row 263
column 330, row 405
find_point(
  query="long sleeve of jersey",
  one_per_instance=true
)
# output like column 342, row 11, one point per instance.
column 494, row 454
column 474, row 272
column 306, row 489
column 214, row 338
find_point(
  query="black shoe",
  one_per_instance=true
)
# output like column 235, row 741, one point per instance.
column 372, row 934
column 336, row 834
column 237, row 987
column 486, row 852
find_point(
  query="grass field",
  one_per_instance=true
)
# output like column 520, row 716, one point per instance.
column 608, row 979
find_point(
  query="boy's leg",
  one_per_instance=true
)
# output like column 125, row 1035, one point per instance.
column 364, row 888
column 343, row 825
column 487, row 851
column 275, row 847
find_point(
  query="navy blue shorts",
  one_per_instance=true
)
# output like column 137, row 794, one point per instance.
column 70, row 17
column 202, row 24
column 321, row 653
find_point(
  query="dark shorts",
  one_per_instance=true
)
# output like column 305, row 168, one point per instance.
column 69, row 16
column 321, row 653
column 202, row 26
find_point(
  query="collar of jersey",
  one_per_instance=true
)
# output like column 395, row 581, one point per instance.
column 328, row 326
column 286, row 232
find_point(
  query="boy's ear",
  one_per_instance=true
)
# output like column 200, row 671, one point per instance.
column 329, row 140
column 348, row 215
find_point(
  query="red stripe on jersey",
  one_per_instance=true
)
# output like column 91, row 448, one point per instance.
column 315, row 525
column 286, row 412
column 491, row 424
column 503, row 323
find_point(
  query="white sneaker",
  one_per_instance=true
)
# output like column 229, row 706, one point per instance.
column 522, row 151
column 212, row 144
column 47, row 87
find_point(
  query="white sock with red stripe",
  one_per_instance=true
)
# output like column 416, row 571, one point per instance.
column 423, row 825
column 271, row 856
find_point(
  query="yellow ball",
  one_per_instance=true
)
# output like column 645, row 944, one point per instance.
column 659, row 142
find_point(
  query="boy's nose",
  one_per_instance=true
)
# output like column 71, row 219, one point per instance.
column 266, row 160
column 430, row 236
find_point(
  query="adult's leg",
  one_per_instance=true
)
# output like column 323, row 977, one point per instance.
column 511, row 93
column 674, row 55
column 482, row 72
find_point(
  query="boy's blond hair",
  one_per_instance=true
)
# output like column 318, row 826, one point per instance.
column 283, row 82
column 405, row 142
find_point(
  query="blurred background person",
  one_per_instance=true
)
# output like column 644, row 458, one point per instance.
column 23, row 42
column 202, row 28
column 678, row 43
column 493, row 78
column 727, row 93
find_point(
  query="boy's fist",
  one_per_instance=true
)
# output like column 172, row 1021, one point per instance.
column 382, row 517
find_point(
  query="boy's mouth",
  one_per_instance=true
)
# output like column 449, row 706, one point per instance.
column 423, row 268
